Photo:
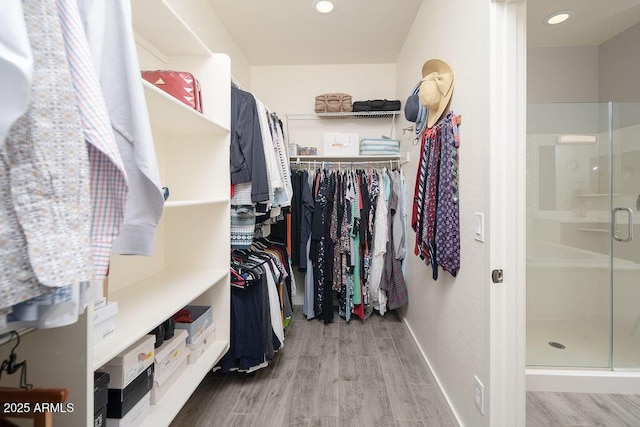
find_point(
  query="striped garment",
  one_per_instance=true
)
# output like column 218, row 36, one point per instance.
column 436, row 217
column 379, row 147
column 243, row 224
column 113, row 53
column 108, row 178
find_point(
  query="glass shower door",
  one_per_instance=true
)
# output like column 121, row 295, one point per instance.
column 625, row 233
column 583, row 235
column 568, row 235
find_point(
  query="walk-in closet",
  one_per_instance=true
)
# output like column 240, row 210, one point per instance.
column 256, row 259
column 309, row 213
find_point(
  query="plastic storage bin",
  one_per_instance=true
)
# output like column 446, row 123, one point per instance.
column 202, row 317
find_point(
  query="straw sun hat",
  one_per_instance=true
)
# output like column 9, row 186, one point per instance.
column 436, row 88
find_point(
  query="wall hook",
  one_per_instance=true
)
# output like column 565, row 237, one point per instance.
column 408, row 129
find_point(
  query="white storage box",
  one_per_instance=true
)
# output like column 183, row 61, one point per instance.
column 199, row 346
column 341, row 144
column 126, row 366
column 104, row 321
column 162, row 383
column 136, row 415
column 170, row 351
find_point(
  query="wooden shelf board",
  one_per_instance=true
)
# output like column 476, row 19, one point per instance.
column 165, row 411
column 145, row 304
column 172, row 117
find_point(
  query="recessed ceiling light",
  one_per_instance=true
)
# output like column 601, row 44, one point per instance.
column 558, row 17
column 324, row 6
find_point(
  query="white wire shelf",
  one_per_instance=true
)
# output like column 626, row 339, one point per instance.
column 343, row 115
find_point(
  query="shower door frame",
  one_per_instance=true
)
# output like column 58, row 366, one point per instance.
column 618, row 144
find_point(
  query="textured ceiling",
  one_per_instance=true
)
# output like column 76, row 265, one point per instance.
column 291, row 32
column 594, row 21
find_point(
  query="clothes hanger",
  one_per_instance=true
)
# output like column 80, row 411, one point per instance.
column 10, row 365
column 248, row 263
column 244, row 272
column 263, row 243
column 238, row 280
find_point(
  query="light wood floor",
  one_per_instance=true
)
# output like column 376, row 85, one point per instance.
column 361, row 374
column 366, row 374
column 582, row 409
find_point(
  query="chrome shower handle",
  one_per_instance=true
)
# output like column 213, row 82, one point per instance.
column 615, row 223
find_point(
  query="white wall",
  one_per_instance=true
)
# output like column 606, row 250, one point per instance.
column 203, row 20
column 562, row 74
column 620, row 67
column 609, row 72
column 291, row 89
column 450, row 317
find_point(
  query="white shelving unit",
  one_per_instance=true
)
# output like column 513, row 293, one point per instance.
column 191, row 259
column 190, row 262
column 308, row 129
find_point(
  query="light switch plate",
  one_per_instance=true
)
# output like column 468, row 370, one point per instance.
column 478, row 226
column 478, row 394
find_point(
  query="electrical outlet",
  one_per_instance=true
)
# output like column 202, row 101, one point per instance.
column 479, row 394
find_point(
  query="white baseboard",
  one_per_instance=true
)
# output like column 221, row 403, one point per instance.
column 583, row 381
column 443, row 393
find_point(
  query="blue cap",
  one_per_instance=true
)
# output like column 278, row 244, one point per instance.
column 414, row 111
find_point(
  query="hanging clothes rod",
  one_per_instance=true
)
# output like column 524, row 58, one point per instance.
column 340, row 164
column 236, row 83
column 8, row 336
column 349, row 160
